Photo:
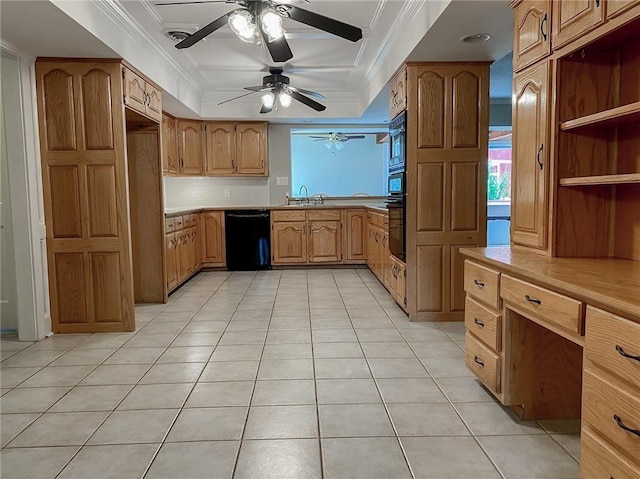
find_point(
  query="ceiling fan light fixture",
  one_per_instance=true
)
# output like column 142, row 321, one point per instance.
column 242, row 24
column 284, row 98
column 271, row 24
column 268, row 99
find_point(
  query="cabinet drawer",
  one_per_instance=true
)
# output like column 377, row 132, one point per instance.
column 169, row 225
column 323, row 215
column 282, row 215
column 598, row 459
column 482, row 283
column 179, row 222
column 608, row 407
column 613, row 343
column 484, row 324
column 548, row 305
column 483, row 362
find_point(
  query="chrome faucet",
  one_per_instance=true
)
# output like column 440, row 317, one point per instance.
column 306, row 196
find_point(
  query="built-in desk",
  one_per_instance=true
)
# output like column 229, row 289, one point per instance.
column 559, row 338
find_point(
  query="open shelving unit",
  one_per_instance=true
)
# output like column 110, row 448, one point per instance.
column 615, row 116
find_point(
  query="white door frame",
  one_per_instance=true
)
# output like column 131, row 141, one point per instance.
column 25, row 176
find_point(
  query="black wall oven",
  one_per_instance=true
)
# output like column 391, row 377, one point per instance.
column 396, row 202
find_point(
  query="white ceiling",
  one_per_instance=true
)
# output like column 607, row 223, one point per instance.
column 351, row 75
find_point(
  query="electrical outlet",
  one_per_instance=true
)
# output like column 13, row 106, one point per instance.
column 227, row 192
column 282, row 180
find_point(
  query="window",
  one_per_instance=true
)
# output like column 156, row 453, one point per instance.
column 499, row 187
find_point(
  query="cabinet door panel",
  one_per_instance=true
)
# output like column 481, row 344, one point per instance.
column 69, row 294
column 190, row 147
column 532, row 27
column 289, row 243
column 221, row 148
column 134, row 91
column 616, row 7
column 356, row 236
column 171, row 261
column 154, row 103
column 572, row 18
column 529, row 205
column 96, row 106
column 251, row 149
column 213, row 241
column 106, row 275
column 64, row 187
column 59, row 117
column 324, row 242
column 169, row 145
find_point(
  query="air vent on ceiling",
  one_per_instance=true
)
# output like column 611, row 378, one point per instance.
column 176, row 35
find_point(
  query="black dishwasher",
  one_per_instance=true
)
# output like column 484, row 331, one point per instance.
column 248, row 239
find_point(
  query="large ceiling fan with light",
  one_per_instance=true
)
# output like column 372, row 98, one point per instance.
column 277, row 92
column 257, row 20
column 336, row 140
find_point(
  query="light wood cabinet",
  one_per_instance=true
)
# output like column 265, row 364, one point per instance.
column 184, row 249
column 221, row 148
column 356, row 236
column 213, row 241
column 616, row 7
column 325, row 241
column 572, row 18
column 236, row 149
column 190, row 147
column 171, row 261
column 532, row 36
column 530, row 158
column 169, row 146
column 289, row 242
column 398, row 93
column 251, row 149
column 141, row 95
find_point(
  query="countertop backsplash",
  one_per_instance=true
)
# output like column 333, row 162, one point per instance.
column 206, row 191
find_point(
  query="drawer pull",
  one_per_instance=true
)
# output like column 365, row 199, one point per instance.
column 625, row 354
column 478, row 322
column 621, row 425
column 532, row 300
column 477, row 361
column 479, row 284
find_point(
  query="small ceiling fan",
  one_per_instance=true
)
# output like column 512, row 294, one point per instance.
column 336, row 139
column 278, row 92
column 262, row 19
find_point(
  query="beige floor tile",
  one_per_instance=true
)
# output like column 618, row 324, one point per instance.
column 372, row 323
column 216, row 314
column 334, row 336
column 193, row 354
column 113, row 374
column 447, row 367
column 24, row 400
column 285, row 369
column 397, row 368
column 150, row 340
column 317, row 324
column 243, row 338
column 83, row 357
column 437, row 349
column 209, row 424
column 410, row 390
column 196, row 339
column 282, row 422
column 342, row 368
column 167, row 327
column 291, row 314
column 524, row 457
column 289, row 337
column 156, row 396
column 200, row 326
column 289, row 325
column 60, row 429
column 13, row 345
column 230, row 371
column 256, row 325
column 127, row 461
column 337, row 350
column 290, row 392
column 371, row 334
column 432, row 419
column 35, row 462
column 387, row 350
column 354, row 420
column 287, row 351
column 135, row 427
column 493, row 419
column 239, row 352
column 279, row 459
column 347, row 391
column 173, row 373
column 91, row 398
column 328, row 314
column 211, row 460
column 62, row 376
column 561, row 426
column 464, row 390
column 424, row 335
column 135, row 356
column 364, row 458
column 570, row 442
column 30, row 359
column 13, row 424
column 447, row 458
column 216, row 394
column 104, row 340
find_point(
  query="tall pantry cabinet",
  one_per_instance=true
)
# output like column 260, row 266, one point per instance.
column 86, row 182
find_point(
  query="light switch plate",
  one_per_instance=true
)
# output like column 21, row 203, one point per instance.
column 282, row 180
column 227, row 192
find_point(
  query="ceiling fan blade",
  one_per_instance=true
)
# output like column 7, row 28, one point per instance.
column 319, row 137
column 192, row 2
column 340, row 29
column 308, row 101
column 258, row 88
column 264, row 109
column 356, row 137
column 203, row 32
column 236, row 97
column 309, row 93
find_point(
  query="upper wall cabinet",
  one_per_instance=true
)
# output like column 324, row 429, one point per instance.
column 398, row 93
column 532, row 40
column 190, row 147
column 236, row 149
column 141, row 96
column 169, row 146
column 572, row 18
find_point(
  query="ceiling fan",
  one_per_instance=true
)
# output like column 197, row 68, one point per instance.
column 336, row 140
column 278, row 92
column 262, row 19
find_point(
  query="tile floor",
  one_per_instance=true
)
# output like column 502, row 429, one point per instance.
column 279, row 374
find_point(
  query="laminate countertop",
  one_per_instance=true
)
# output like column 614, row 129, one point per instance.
column 169, row 212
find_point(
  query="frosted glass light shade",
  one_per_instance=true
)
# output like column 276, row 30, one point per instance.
column 242, row 24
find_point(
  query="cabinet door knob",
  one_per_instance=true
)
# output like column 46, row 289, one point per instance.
column 478, row 322
column 532, row 300
column 478, row 362
column 479, row 284
column 625, row 354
